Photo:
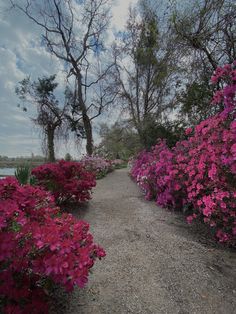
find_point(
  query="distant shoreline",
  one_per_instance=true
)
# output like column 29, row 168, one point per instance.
column 15, row 163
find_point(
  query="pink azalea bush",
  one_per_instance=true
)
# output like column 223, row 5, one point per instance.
column 39, row 246
column 97, row 165
column 67, row 180
column 199, row 173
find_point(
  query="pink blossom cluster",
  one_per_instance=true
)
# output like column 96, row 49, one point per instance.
column 67, row 180
column 226, row 95
column 117, row 162
column 97, row 165
column 199, row 173
column 39, row 246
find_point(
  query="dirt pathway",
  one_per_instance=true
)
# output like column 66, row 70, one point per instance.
column 155, row 262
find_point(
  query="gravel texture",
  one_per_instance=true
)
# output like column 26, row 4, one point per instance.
column 155, row 262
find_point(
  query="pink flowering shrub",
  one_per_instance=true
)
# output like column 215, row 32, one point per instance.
column 38, row 247
column 199, row 173
column 99, row 166
column 144, row 172
column 67, row 180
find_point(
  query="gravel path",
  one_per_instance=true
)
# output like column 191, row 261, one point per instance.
column 155, row 262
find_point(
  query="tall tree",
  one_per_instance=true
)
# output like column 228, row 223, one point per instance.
column 73, row 32
column 144, row 70
column 50, row 116
column 206, row 30
column 204, row 33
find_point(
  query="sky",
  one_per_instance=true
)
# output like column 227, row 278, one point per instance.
column 21, row 55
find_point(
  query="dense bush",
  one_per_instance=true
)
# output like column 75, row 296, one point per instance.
column 68, row 181
column 38, row 247
column 198, row 174
column 97, row 165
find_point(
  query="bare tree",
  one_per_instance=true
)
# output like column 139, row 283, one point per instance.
column 72, row 31
column 50, row 116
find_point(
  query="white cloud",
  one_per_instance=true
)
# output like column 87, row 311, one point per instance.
column 120, row 12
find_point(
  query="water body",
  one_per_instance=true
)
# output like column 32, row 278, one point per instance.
column 7, row 172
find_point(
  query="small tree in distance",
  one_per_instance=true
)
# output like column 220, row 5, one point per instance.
column 68, row 157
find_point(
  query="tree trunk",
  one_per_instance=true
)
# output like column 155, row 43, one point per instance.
column 142, row 136
column 86, row 121
column 144, row 140
column 50, row 144
column 89, row 134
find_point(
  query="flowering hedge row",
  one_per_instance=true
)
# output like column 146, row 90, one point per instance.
column 67, row 180
column 199, row 173
column 99, row 166
column 38, row 246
